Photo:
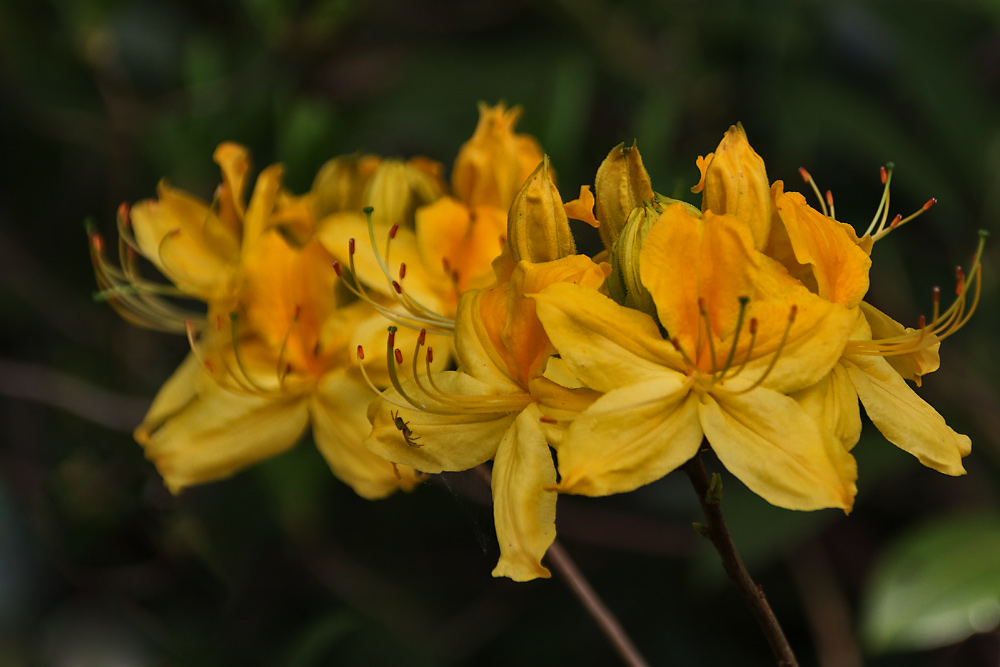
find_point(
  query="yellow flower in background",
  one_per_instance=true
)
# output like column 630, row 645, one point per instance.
column 448, row 242
column 497, row 404
column 282, row 362
column 198, row 246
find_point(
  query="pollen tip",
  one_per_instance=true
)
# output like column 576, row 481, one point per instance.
column 883, row 174
column 936, row 292
column 804, row 174
column 548, row 420
column 218, row 322
column 829, row 198
column 337, row 269
column 402, row 270
column 297, row 313
column 430, row 355
column 123, row 213
column 753, row 325
column 398, row 354
column 361, row 352
column 422, row 337
column 895, row 221
column 397, row 287
column 921, row 322
column 930, row 202
column 393, row 230
column 350, row 246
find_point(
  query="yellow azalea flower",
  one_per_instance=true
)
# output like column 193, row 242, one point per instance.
column 198, row 246
column 258, row 378
column 742, row 335
column 491, row 408
column 882, row 353
column 497, row 404
column 450, row 242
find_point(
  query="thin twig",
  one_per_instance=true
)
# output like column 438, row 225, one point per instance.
column 751, row 592
column 585, row 593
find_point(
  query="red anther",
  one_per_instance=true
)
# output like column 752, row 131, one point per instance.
column 298, row 311
column 701, row 305
column 430, row 355
column 793, row 312
column 336, row 267
column 883, row 174
column 399, row 355
column 396, row 286
column 936, row 294
column 209, row 367
column 422, row 337
column 804, row 174
column 503, row 240
column 392, row 336
column 361, row 353
column 677, row 345
column 454, row 276
column 288, row 369
column 402, row 270
column 921, row 322
column 895, row 221
column 316, row 349
column 446, row 265
column 218, row 322
column 393, row 230
column 130, row 253
column 829, row 198
column 123, row 213
column 930, row 202
column 548, row 420
column 189, row 325
column 98, row 244
column 960, row 276
column 350, row 246
column 753, row 326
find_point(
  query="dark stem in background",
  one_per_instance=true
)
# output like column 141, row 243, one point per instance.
column 717, row 532
column 585, row 593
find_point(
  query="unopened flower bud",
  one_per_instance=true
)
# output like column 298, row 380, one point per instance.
column 398, row 188
column 340, row 183
column 621, row 185
column 537, row 226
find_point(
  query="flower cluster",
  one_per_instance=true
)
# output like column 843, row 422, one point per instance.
column 741, row 324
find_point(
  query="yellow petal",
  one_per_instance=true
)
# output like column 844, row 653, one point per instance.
column 180, row 389
column 778, row 451
column 904, row 418
column 839, row 266
column 219, row 433
column 833, row 404
column 524, row 512
column 735, row 183
column 466, row 241
column 523, row 336
column 603, row 344
column 234, row 161
column 582, row 208
column 912, row 365
column 262, row 201
column 439, row 442
column 686, row 261
column 171, row 233
column 481, row 318
column 337, row 411
column 630, row 437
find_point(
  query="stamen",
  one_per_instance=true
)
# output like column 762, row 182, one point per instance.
column 882, row 211
column 548, row 420
column 703, row 312
column 777, row 352
column 402, row 270
column 829, row 202
column 233, row 317
column 744, row 302
column 807, row 177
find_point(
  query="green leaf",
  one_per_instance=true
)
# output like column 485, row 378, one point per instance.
column 936, row 586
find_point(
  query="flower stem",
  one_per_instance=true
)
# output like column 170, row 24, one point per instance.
column 585, row 593
column 751, row 592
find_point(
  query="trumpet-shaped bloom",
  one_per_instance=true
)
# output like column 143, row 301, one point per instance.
column 741, row 335
column 492, row 408
column 257, row 379
column 199, row 247
column 449, row 241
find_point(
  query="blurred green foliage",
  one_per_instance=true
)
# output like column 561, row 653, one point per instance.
column 284, row 565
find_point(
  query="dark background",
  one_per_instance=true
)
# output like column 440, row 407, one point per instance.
column 283, row 564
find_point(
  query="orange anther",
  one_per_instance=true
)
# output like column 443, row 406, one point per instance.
column 336, row 267
column 350, row 246
column 393, row 230
column 402, row 270
column 422, row 336
column 430, row 355
column 399, row 355
column 804, row 174
column 883, row 174
column 361, row 353
column 548, row 420
column 930, row 202
column 396, row 286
